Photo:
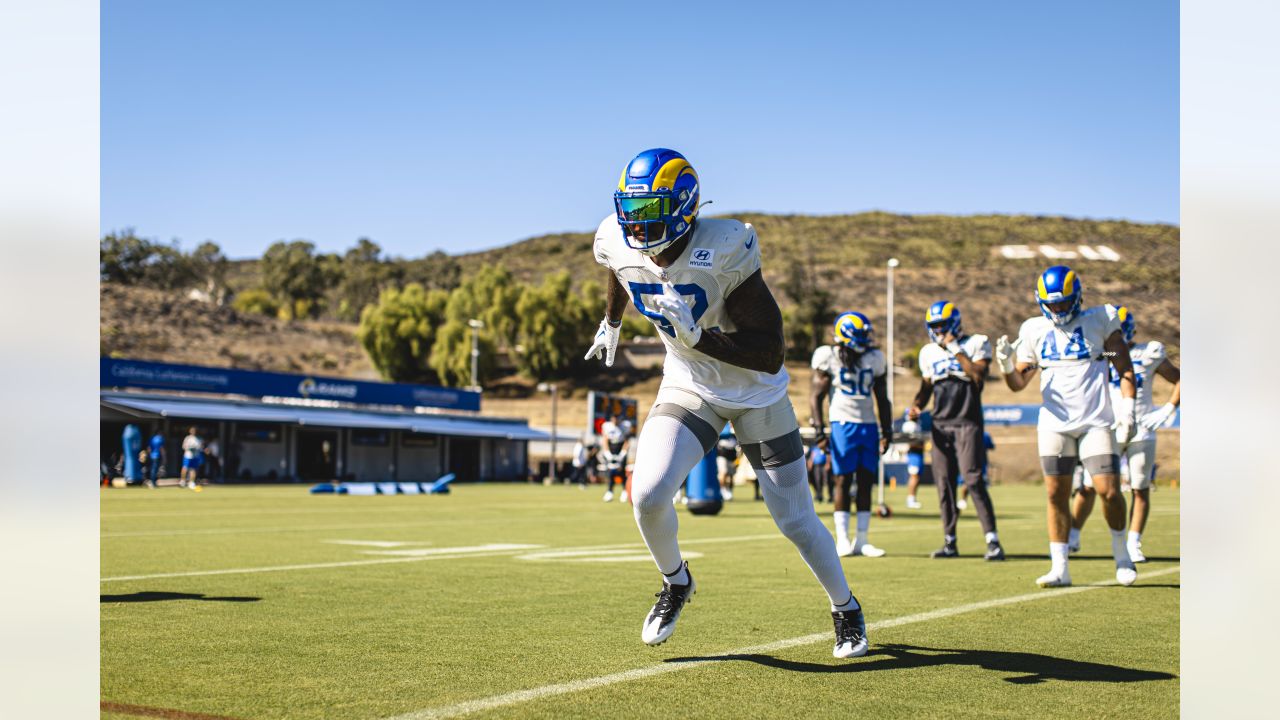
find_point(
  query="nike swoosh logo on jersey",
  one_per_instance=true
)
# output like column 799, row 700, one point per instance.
column 753, row 242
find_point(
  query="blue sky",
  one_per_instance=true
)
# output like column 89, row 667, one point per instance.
column 464, row 126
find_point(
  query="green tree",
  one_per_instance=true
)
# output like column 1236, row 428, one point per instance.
column 210, row 267
column 554, row 323
column 123, row 257
column 812, row 301
column 490, row 296
column 451, row 354
column 437, row 270
column 365, row 273
column 296, row 277
column 399, row 331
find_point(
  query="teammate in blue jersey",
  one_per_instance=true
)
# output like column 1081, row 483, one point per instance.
column 849, row 374
column 699, row 282
column 155, row 457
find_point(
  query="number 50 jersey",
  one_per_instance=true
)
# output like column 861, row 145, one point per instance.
column 719, row 257
column 851, row 390
column 1073, row 369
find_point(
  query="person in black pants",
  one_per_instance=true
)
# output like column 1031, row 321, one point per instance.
column 953, row 368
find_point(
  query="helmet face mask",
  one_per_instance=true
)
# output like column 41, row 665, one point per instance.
column 941, row 318
column 656, row 200
column 854, row 331
column 1059, row 294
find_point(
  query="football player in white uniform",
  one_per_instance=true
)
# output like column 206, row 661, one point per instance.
column 1071, row 347
column 1149, row 360
column 613, row 456
column 953, row 369
column 699, row 282
column 849, row 373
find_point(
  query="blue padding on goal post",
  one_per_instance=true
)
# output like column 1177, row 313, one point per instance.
column 703, row 487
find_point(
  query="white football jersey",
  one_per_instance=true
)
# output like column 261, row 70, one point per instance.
column 851, row 395
column 1147, row 357
column 1073, row 369
column 721, row 254
column 936, row 362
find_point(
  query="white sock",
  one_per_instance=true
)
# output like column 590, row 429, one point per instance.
column 1058, row 556
column 949, row 539
column 679, row 577
column 864, row 522
column 911, row 498
column 1119, row 550
column 1135, row 537
column 842, row 524
column 1073, row 537
column 992, row 537
column 852, row 604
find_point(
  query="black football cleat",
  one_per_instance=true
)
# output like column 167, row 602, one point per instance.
column 851, row 633
column 994, row 552
column 660, row 623
column 946, row 551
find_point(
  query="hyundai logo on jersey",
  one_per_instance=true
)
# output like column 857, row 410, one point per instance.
column 702, row 258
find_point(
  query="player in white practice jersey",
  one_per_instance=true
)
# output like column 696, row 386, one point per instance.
column 848, row 374
column 1139, row 453
column 699, row 282
column 1071, row 348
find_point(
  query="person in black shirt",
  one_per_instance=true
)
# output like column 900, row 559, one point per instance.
column 953, row 368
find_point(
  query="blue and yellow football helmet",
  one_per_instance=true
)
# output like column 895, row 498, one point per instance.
column 941, row 318
column 656, row 200
column 1127, row 325
column 853, row 330
column 1056, row 285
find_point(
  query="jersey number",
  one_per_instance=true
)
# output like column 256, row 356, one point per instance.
column 640, row 290
column 946, row 367
column 1138, row 376
column 856, row 383
column 1076, row 348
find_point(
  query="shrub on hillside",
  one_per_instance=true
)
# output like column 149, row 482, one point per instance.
column 256, row 302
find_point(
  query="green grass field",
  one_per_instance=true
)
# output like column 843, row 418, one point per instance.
column 266, row 602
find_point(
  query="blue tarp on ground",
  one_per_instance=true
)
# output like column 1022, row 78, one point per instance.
column 210, row 409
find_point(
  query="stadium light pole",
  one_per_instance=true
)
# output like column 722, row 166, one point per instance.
column 555, row 393
column 893, row 263
column 475, row 326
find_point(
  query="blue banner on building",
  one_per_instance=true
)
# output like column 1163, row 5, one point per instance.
column 1029, row 415
column 165, row 376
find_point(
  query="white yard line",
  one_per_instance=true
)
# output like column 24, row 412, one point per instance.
column 458, row 555
column 523, row 696
column 250, row 531
column 312, row 566
column 509, row 550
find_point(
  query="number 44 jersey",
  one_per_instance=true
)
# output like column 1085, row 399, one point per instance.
column 1073, row 369
column 721, row 254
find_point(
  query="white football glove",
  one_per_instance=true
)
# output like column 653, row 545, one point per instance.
column 1126, row 424
column 1159, row 418
column 606, row 341
column 1004, row 355
column 677, row 312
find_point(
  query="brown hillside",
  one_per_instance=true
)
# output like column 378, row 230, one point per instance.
column 151, row 324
